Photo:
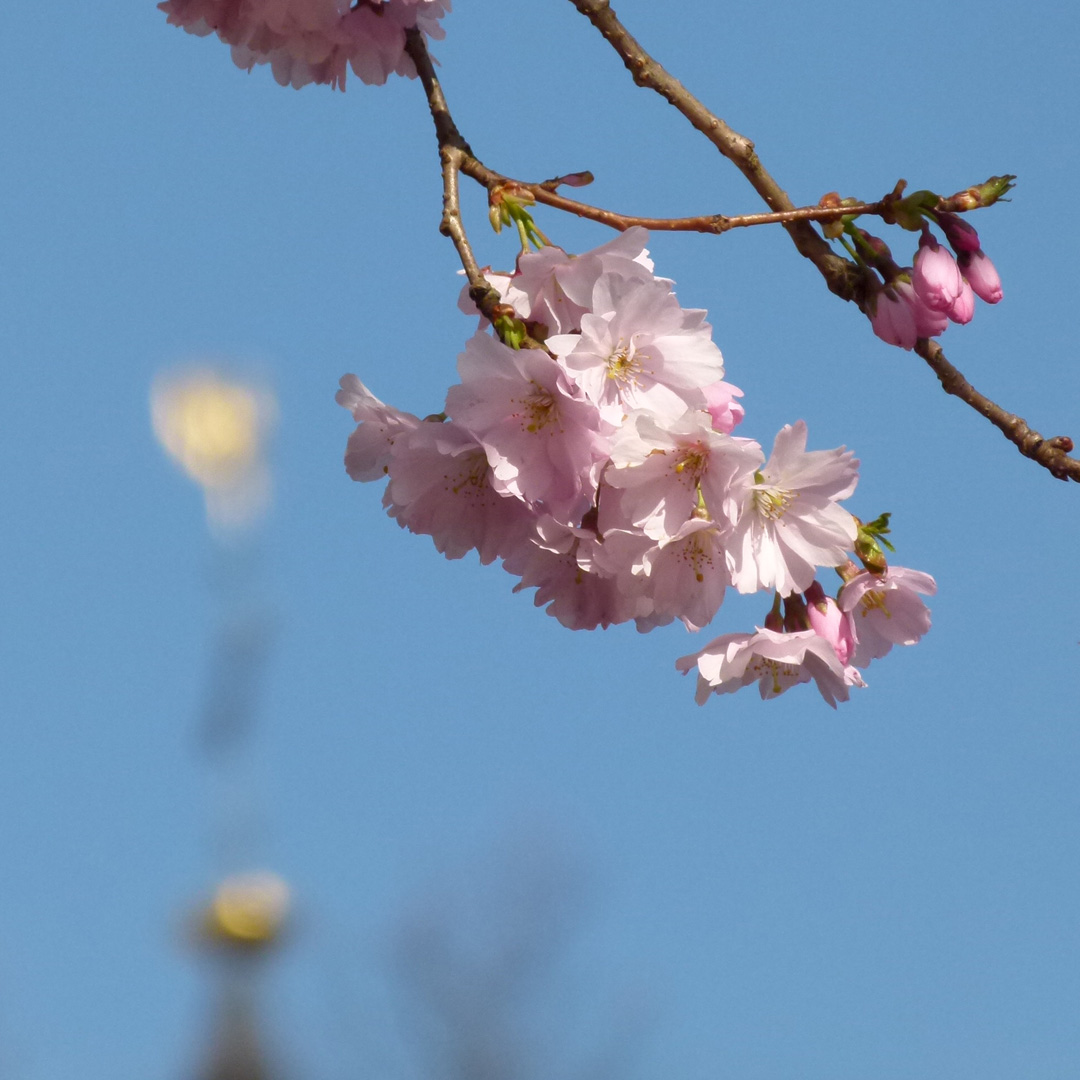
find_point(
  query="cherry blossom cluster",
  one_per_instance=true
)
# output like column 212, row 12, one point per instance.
column 919, row 301
column 602, row 468
column 314, row 41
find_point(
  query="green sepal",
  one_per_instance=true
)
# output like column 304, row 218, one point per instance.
column 511, row 331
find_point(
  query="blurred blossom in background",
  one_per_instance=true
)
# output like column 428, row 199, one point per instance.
column 217, row 429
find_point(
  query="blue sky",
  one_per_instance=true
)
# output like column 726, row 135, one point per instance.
column 755, row 890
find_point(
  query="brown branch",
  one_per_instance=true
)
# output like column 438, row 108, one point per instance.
column 842, row 276
column 739, row 150
column 454, row 151
column 1052, row 454
column 714, row 224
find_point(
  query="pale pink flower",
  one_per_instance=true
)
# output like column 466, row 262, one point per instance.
column 561, row 563
column 542, row 437
column 667, row 473
column 638, row 349
column 555, row 289
column 440, row 486
column 935, row 276
column 792, row 522
column 776, row 661
column 307, row 41
column 886, row 610
column 981, row 275
column 367, row 455
column 687, row 574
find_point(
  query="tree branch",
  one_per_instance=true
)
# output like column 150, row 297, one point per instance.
column 453, row 152
column 1052, row 454
column 841, row 275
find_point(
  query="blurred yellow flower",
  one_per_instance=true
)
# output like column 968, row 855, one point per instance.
column 216, row 430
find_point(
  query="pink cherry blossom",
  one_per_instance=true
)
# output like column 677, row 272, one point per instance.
column 440, row 486
column 791, row 522
column 638, row 349
column 307, row 41
column 776, row 661
column 541, row 435
column 555, row 289
column 928, row 322
column 667, row 473
column 886, row 610
column 961, row 236
column 367, row 455
column 561, row 564
column 687, row 574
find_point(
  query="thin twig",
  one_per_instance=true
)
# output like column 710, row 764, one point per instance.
column 704, row 223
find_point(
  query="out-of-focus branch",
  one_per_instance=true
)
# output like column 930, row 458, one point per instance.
column 841, row 275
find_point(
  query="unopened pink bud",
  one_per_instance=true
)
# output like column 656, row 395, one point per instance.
column 829, row 622
column 935, row 276
column 981, row 276
column 961, row 235
column 721, row 405
column 928, row 323
column 893, row 320
column 963, row 309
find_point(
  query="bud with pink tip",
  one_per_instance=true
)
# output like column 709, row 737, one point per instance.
column 935, row 275
column 981, row 276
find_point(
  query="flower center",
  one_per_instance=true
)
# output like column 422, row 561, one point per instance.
column 693, row 463
column 874, row 600
column 472, row 480
column 624, row 364
column 781, row 674
column 541, row 409
column 773, row 503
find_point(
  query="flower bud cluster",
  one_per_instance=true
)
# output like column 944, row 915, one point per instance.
column 940, row 287
column 602, row 468
column 314, row 41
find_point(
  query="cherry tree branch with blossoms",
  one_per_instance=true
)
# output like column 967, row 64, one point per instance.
column 590, row 443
